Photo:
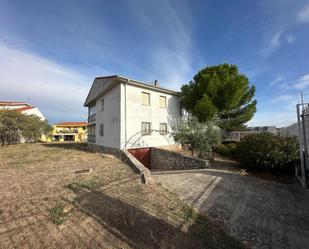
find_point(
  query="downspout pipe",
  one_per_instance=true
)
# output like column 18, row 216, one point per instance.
column 125, row 114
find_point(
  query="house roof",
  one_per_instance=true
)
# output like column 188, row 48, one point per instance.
column 13, row 103
column 22, row 109
column 103, row 84
column 72, row 124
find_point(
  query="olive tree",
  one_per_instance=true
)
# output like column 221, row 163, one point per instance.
column 199, row 137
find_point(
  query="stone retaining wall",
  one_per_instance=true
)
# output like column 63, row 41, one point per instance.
column 168, row 160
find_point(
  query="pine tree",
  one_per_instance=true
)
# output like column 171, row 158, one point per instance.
column 220, row 93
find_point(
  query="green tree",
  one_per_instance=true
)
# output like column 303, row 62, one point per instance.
column 220, row 93
column 11, row 122
column 15, row 125
column 201, row 137
column 33, row 127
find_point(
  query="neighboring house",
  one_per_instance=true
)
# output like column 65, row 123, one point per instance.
column 22, row 107
column 68, row 131
column 125, row 113
column 259, row 129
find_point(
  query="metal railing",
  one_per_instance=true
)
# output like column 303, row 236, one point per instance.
column 91, row 118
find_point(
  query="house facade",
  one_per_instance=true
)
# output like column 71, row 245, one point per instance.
column 22, row 107
column 67, row 132
column 126, row 114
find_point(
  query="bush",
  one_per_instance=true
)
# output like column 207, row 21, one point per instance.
column 199, row 137
column 227, row 149
column 267, row 151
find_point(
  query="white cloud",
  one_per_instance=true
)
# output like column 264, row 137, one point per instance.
column 273, row 44
column 171, row 57
column 277, row 80
column 282, row 98
column 57, row 90
column 290, row 39
column 303, row 15
column 301, row 83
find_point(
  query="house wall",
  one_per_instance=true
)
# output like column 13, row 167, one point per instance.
column 138, row 113
column 34, row 111
column 110, row 118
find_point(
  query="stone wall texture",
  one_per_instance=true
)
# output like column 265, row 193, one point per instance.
column 169, row 160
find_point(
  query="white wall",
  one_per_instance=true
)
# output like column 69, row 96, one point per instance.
column 138, row 113
column 8, row 107
column 34, row 111
column 110, row 117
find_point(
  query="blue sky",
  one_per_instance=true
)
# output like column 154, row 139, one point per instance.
column 50, row 51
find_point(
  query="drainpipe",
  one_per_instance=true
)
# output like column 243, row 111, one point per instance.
column 125, row 115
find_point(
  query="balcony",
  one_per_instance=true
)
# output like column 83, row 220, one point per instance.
column 91, row 118
column 91, row 138
column 65, row 131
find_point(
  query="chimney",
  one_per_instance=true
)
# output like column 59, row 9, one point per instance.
column 156, row 83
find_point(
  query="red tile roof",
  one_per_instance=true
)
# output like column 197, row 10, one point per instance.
column 13, row 103
column 24, row 108
column 72, row 124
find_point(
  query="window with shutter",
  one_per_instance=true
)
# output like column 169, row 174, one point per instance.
column 162, row 101
column 145, row 98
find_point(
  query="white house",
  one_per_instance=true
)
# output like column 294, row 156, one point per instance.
column 22, row 107
column 125, row 113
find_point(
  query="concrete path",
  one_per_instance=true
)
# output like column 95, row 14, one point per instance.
column 263, row 214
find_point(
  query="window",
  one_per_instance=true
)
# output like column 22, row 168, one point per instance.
column 102, row 104
column 163, row 128
column 146, row 128
column 162, row 102
column 91, row 133
column 101, row 131
column 145, row 98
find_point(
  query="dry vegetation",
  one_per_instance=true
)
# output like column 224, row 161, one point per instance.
column 43, row 204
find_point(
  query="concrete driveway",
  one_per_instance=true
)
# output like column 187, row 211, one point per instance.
column 263, row 214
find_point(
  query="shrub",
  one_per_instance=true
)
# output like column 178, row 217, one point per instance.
column 199, row 137
column 227, row 149
column 267, row 151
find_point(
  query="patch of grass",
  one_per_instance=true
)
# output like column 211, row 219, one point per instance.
column 57, row 215
column 189, row 213
column 87, row 184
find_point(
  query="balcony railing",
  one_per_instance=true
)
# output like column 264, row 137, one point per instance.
column 91, row 138
column 91, row 118
column 66, row 131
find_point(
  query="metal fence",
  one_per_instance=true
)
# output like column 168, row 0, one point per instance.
column 303, row 137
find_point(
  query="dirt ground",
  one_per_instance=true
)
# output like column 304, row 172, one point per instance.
column 44, row 204
column 261, row 213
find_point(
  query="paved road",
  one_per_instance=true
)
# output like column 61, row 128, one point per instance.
column 261, row 213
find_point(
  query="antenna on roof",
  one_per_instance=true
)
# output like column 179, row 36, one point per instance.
column 28, row 99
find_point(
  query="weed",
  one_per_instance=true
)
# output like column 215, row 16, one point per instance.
column 57, row 215
column 189, row 213
column 87, row 184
